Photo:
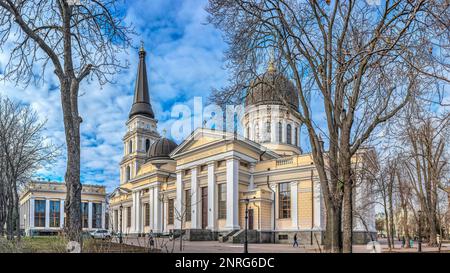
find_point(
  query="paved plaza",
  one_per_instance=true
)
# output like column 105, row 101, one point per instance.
column 217, row 247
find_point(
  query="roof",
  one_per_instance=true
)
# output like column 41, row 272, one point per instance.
column 271, row 88
column 141, row 103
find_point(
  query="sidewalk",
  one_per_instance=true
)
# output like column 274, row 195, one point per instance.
column 216, row 247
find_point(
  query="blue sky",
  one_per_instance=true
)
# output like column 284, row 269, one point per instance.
column 184, row 59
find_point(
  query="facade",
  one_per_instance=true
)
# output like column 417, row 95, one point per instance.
column 204, row 185
column 42, row 208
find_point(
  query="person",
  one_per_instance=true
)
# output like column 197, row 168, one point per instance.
column 295, row 240
column 403, row 241
column 438, row 239
column 151, row 240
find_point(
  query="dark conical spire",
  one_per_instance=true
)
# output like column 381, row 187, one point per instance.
column 141, row 102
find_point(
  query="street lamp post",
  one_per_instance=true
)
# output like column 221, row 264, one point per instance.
column 419, row 248
column 246, row 225
column 120, row 232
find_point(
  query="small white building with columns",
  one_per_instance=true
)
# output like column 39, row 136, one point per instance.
column 206, row 185
column 42, row 207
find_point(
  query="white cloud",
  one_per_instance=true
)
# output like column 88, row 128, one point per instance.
column 184, row 60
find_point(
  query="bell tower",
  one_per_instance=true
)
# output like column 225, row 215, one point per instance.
column 141, row 126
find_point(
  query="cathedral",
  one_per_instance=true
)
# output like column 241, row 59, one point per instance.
column 207, row 185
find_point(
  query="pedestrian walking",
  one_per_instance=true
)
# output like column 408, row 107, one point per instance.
column 403, row 241
column 295, row 240
column 151, row 241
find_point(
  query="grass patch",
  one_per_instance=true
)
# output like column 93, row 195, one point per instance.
column 58, row 244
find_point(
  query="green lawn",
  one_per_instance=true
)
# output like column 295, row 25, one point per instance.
column 56, row 244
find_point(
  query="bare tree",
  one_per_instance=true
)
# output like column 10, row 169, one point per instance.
column 23, row 150
column 363, row 62
column 77, row 40
column 184, row 214
column 426, row 138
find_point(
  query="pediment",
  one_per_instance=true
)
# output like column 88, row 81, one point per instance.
column 198, row 139
column 206, row 139
column 119, row 191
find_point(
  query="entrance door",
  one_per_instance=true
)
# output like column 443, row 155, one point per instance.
column 204, row 207
column 250, row 219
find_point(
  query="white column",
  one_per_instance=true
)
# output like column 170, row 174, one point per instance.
column 251, row 186
column 157, row 210
column 152, row 210
column 47, row 213
column 195, row 199
column 283, row 131
column 103, row 215
column 137, row 213
column 262, row 130
column 273, row 130
column 179, row 208
column 90, row 215
column 31, row 215
column 211, row 196
column 317, row 206
column 294, row 204
column 232, row 221
column 165, row 215
column 274, row 206
column 61, row 214
column 251, row 128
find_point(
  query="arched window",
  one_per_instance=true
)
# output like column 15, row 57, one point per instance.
column 289, row 134
column 248, row 132
column 257, row 131
column 130, row 146
column 147, row 144
column 296, row 136
column 128, row 173
column 268, row 129
column 280, row 131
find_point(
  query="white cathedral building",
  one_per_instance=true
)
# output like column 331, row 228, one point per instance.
column 203, row 185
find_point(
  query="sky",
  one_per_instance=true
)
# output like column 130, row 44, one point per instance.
column 184, row 60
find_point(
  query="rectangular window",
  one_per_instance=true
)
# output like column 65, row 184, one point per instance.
column 203, row 168
column 170, row 213
column 39, row 213
column 147, row 214
column 85, row 214
column 243, row 164
column 284, row 200
column 116, row 220
column 54, row 213
column 222, row 194
column 96, row 215
column 128, row 216
column 220, row 163
column 187, row 201
column 187, row 172
column 280, row 131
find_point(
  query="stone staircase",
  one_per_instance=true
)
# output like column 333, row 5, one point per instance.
column 223, row 238
column 239, row 237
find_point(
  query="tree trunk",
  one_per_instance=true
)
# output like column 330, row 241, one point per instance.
column 333, row 235
column 17, row 211
column 72, row 207
column 386, row 219
column 348, row 217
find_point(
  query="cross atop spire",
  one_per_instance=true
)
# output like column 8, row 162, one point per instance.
column 271, row 67
column 141, row 102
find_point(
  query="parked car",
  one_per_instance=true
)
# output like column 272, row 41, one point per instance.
column 101, row 234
